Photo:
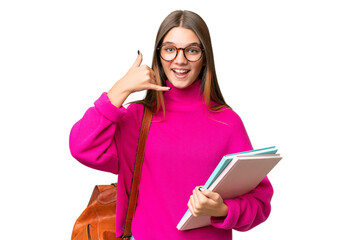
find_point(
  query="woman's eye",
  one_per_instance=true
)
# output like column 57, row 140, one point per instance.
column 169, row 49
column 193, row 50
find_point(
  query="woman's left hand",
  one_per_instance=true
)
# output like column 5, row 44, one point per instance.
column 207, row 203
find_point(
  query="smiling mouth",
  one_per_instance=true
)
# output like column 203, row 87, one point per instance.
column 180, row 73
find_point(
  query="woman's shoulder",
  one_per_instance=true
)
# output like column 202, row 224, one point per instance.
column 135, row 107
column 135, row 111
column 228, row 116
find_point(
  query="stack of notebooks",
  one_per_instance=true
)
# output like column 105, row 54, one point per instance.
column 235, row 175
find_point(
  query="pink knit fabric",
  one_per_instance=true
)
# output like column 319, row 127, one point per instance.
column 180, row 153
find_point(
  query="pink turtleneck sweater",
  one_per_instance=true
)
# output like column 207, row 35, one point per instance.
column 180, row 153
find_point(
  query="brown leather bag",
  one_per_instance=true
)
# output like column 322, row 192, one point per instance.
column 97, row 221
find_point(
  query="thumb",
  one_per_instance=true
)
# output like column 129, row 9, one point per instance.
column 207, row 192
column 138, row 60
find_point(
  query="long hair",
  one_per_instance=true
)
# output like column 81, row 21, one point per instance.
column 209, row 84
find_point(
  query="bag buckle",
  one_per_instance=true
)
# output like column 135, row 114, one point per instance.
column 125, row 237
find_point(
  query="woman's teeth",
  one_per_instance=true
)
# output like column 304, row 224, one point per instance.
column 180, row 71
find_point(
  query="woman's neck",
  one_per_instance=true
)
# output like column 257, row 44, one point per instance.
column 182, row 97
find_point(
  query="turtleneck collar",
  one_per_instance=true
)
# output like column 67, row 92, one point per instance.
column 178, row 98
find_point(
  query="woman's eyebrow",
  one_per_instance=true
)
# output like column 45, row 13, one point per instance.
column 190, row 44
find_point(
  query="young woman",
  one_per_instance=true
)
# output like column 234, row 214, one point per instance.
column 192, row 128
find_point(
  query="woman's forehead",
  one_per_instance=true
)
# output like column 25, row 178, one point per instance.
column 181, row 36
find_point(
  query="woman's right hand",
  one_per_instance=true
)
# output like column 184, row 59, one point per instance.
column 138, row 78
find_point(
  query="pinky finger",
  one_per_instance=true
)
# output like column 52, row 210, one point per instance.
column 159, row 88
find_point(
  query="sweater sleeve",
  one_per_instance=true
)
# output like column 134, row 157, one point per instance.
column 249, row 210
column 93, row 138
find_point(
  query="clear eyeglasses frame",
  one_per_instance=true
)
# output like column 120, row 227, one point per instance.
column 192, row 53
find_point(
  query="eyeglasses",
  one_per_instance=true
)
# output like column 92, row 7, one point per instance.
column 192, row 53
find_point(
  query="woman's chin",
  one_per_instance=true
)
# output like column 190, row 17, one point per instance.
column 181, row 83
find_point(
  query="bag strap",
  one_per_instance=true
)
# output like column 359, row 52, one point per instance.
column 145, row 126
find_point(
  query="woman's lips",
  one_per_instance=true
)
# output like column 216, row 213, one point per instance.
column 180, row 73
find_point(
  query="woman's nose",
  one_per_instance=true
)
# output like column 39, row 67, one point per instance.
column 180, row 58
